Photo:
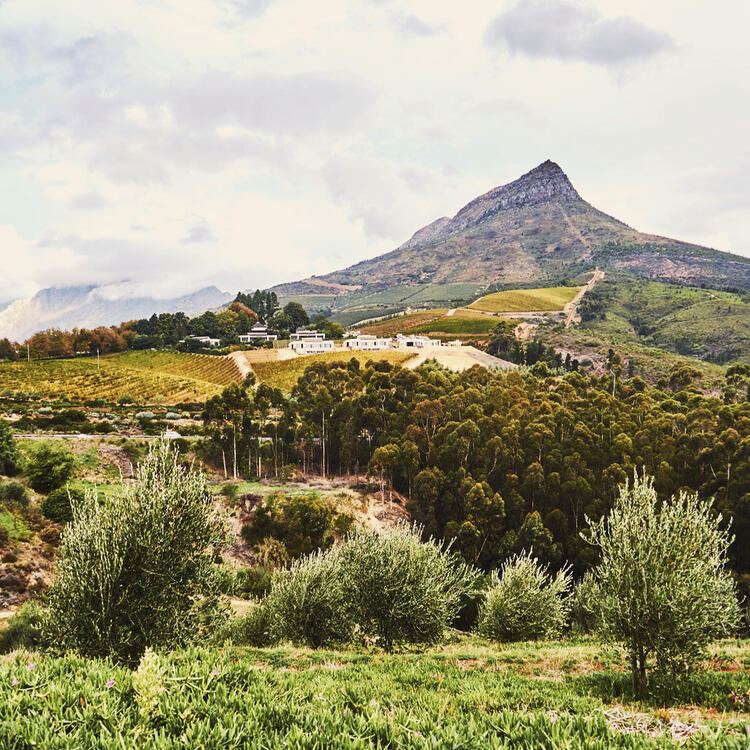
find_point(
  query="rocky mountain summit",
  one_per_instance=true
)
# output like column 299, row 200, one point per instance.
column 537, row 229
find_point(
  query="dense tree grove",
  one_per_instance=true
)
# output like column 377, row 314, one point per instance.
column 498, row 462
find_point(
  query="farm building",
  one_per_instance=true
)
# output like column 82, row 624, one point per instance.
column 206, row 340
column 304, row 334
column 311, row 345
column 259, row 332
column 418, row 342
column 367, row 342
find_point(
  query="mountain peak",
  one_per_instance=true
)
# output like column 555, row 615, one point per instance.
column 546, row 183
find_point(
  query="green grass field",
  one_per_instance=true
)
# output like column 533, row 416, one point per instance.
column 284, row 374
column 147, row 377
column 470, row 695
column 526, row 300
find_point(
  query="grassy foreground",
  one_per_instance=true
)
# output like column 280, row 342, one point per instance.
column 470, row 694
column 526, row 300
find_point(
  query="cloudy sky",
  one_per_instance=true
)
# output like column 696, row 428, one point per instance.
column 178, row 143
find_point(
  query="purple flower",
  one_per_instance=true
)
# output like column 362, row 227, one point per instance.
column 434, row 674
column 345, row 712
column 110, row 683
column 29, row 667
column 215, row 672
column 15, row 682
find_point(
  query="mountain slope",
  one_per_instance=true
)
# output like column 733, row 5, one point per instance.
column 535, row 229
column 90, row 306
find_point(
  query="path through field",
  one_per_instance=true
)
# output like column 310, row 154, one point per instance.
column 571, row 308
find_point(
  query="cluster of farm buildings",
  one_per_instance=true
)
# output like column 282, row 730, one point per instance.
column 306, row 341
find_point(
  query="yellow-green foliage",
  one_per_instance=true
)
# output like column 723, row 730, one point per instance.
column 148, row 377
column 148, row 684
column 526, row 300
column 284, row 374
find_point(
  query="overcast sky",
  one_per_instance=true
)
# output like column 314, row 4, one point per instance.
column 180, row 143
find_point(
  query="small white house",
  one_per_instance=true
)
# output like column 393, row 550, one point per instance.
column 367, row 342
column 417, row 342
column 311, row 345
column 206, row 340
column 259, row 332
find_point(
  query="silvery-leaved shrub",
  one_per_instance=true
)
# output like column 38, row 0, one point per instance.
column 135, row 567
column 403, row 589
column 665, row 588
column 524, row 601
column 148, row 684
column 308, row 602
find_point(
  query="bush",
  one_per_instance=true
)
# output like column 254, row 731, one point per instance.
column 49, row 467
column 403, row 590
column 390, row 585
column 665, row 589
column 251, row 629
column 309, row 604
column 135, row 569
column 584, row 605
column 57, row 506
column 9, row 458
column 14, row 494
column 524, row 602
column 25, row 629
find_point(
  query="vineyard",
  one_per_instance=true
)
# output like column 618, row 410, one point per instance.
column 526, row 300
column 145, row 377
column 284, row 374
column 457, row 324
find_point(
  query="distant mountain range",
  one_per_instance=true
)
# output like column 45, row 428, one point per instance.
column 90, row 306
column 536, row 229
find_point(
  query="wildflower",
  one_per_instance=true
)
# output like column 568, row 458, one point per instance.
column 434, row 674
column 15, row 682
column 345, row 712
column 215, row 672
column 30, row 667
column 110, row 683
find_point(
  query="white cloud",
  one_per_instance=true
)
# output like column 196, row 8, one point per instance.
column 569, row 31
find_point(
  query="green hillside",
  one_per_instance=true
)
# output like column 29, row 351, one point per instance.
column 703, row 323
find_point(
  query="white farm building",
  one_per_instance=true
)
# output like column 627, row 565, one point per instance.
column 311, row 345
column 367, row 342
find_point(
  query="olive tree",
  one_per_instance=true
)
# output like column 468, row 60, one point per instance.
column 664, row 588
column 524, row 601
column 135, row 568
column 404, row 589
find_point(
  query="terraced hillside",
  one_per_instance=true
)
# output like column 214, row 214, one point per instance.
column 146, row 377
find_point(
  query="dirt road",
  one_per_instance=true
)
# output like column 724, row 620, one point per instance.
column 571, row 309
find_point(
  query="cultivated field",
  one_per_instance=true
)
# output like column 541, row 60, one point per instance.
column 398, row 324
column 526, row 300
column 147, row 377
column 285, row 374
column 458, row 324
column 472, row 694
